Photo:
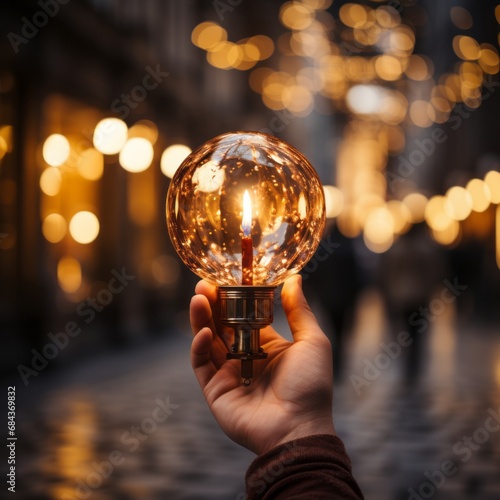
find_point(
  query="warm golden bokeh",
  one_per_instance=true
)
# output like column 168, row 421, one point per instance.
column 56, row 150
column 84, row 227
column 54, row 227
column 69, row 274
column 110, row 135
column 136, row 154
column 172, row 157
column 363, row 64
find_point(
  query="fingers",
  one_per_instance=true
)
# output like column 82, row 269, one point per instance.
column 210, row 292
column 200, row 314
column 301, row 319
column 205, row 288
column 206, row 352
column 201, row 359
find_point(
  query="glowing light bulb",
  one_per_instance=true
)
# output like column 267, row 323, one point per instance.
column 245, row 211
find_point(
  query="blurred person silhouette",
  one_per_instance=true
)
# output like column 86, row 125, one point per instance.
column 335, row 280
column 408, row 274
column 471, row 264
column 285, row 415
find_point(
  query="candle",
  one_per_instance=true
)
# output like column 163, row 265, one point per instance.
column 246, row 242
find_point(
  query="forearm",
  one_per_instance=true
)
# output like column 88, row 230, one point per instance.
column 312, row 467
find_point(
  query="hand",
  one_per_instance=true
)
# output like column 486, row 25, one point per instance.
column 291, row 393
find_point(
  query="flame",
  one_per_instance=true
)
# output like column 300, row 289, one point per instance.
column 246, row 221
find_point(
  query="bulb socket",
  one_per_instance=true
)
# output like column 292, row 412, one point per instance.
column 246, row 309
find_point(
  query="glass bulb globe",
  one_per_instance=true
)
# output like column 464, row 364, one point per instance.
column 208, row 222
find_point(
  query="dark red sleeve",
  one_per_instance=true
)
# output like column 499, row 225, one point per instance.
column 315, row 467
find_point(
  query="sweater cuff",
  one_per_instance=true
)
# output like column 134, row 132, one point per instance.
column 311, row 467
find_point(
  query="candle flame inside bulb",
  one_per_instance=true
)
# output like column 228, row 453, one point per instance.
column 246, row 221
column 233, row 238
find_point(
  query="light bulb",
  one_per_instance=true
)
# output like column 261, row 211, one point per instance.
column 245, row 211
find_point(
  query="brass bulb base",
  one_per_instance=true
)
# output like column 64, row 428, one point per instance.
column 246, row 309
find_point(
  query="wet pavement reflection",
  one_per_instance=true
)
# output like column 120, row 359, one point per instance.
column 133, row 424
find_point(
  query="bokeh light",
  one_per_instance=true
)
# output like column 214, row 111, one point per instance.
column 172, row 157
column 419, row 68
column 207, row 35
column 110, row 135
column 492, row 180
column 56, row 150
column 401, row 216
column 145, row 129
column 136, row 155
column 416, row 203
column 50, row 181
column 69, row 274
column 6, row 140
column 54, row 227
column 458, row 203
column 378, row 233
column 480, row 195
column 295, row 15
column 334, row 201
column 264, row 44
column 466, row 47
column 91, row 164
column 461, row 18
column 365, row 99
column 436, row 214
column 449, row 235
column 84, row 227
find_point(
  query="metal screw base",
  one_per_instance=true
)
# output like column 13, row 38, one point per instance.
column 246, row 309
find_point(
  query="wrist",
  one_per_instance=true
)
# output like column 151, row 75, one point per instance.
column 305, row 428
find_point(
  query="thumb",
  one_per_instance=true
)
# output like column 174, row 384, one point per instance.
column 301, row 319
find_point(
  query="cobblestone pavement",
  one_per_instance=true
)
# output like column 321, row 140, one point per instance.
column 132, row 424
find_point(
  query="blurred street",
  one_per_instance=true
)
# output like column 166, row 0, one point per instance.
column 71, row 421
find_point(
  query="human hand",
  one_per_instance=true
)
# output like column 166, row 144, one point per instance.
column 292, row 389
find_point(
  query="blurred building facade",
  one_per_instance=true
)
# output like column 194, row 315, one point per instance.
column 394, row 103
